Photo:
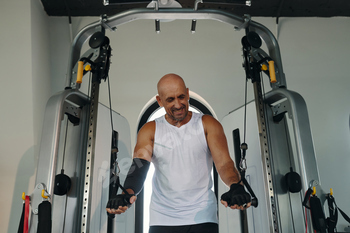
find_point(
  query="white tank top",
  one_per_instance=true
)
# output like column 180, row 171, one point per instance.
column 182, row 180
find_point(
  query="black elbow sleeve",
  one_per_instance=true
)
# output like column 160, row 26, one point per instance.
column 137, row 175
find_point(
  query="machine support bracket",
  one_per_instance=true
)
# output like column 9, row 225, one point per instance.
column 73, row 112
column 245, row 24
column 279, row 109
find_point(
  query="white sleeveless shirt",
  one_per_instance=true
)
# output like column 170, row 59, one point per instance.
column 182, row 180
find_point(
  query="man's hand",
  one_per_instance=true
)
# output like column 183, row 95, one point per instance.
column 120, row 203
column 236, row 198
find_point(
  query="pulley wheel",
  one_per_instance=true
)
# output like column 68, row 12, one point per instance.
column 96, row 40
column 254, row 39
column 62, row 184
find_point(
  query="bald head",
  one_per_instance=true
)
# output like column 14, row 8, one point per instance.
column 170, row 80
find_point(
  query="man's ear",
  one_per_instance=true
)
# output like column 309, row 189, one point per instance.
column 159, row 101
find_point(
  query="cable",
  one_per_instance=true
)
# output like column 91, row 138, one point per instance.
column 89, row 85
column 69, row 20
column 245, row 111
column 110, row 103
column 65, row 213
column 65, row 143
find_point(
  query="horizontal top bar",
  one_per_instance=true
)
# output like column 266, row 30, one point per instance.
column 172, row 14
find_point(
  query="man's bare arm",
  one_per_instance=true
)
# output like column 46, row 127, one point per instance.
column 217, row 143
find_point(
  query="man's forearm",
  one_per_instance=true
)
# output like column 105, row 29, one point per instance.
column 229, row 174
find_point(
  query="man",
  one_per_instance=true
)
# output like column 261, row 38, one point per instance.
column 182, row 145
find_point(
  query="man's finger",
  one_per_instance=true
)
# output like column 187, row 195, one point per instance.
column 132, row 199
column 224, row 203
column 123, row 208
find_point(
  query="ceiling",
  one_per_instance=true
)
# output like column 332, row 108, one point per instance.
column 265, row 8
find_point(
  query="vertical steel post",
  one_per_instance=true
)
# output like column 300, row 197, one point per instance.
column 90, row 154
column 265, row 156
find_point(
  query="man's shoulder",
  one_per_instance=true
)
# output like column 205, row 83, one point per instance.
column 210, row 123
column 208, row 118
column 148, row 128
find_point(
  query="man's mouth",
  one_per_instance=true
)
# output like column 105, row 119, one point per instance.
column 178, row 111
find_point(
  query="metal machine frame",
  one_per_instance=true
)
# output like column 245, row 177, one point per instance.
column 293, row 104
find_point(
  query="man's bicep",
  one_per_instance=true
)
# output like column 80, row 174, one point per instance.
column 217, row 143
column 216, row 139
column 144, row 144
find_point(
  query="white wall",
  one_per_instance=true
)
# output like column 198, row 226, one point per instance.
column 314, row 53
column 24, row 91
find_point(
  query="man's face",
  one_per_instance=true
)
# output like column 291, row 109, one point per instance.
column 174, row 98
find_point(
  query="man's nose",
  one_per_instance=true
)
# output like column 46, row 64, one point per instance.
column 177, row 103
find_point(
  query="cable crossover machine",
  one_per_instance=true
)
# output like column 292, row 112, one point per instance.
column 73, row 185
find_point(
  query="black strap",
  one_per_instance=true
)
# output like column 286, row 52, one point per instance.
column 333, row 214
column 318, row 218
column 346, row 217
column 21, row 222
column 306, row 198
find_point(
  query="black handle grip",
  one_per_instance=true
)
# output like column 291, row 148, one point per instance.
column 250, row 190
column 255, row 202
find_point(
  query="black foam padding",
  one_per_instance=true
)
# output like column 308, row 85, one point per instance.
column 137, row 175
column 44, row 217
column 21, row 223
